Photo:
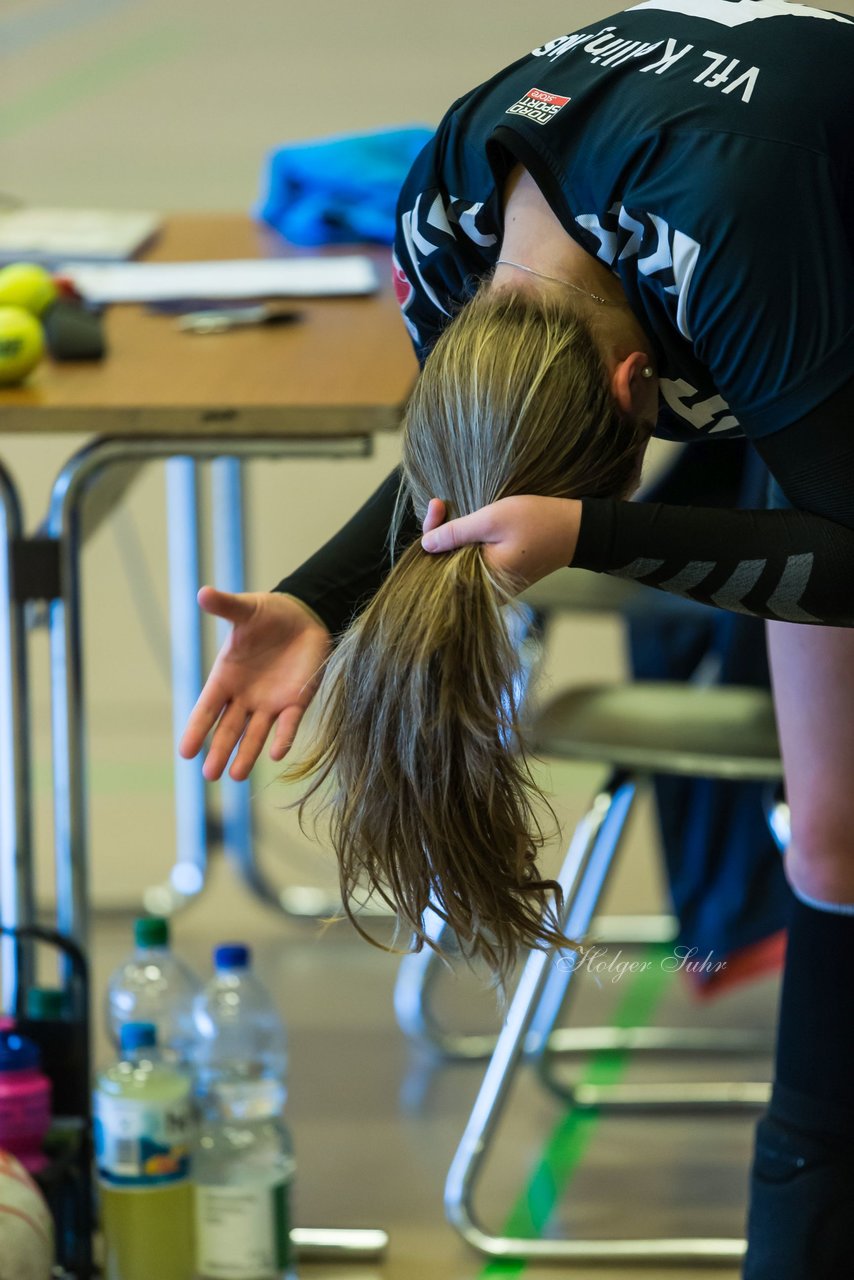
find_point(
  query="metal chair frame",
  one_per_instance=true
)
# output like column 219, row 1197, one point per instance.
column 528, row 1035
column 418, row 971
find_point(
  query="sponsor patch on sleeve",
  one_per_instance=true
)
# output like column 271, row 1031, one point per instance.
column 538, row 105
column 402, row 287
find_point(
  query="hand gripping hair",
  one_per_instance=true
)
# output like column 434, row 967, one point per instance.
column 419, row 757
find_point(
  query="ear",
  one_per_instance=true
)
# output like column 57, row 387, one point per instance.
column 635, row 395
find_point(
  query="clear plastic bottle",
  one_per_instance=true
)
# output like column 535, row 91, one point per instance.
column 243, row 1171
column 143, row 1124
column 240, row 1035
column 154, row 985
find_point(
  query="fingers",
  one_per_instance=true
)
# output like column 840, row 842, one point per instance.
column 460, row 532
column 251, row 731
column 286, row 731
column 436, row 513
column 233, row 728
column 235, row 609
column 251, row 745
column 226, row 737
column 224, row 604
column 201, row 721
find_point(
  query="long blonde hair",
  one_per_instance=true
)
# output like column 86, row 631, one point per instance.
column 430, row 795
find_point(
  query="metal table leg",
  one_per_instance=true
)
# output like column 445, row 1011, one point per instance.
column 187, row 877
column 526, row 1031
column 17, row 891
column 63, row 523
column 70, row 817
column 193, row 832
column 182, row 481
column 229, row 559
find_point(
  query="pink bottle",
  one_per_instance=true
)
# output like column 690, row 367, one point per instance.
column 24, row 1101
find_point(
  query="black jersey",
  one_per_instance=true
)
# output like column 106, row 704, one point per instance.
column 703, row 151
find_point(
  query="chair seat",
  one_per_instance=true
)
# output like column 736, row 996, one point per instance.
column 657, row 727
column 581, row 591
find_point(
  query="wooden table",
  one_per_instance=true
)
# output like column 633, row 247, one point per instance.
column 319, row 387
column 345, row 369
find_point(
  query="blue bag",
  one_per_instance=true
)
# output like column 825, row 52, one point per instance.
column 339, row 190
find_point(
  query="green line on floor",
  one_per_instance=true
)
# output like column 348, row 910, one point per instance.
column 89, row 78
column 572, row 1135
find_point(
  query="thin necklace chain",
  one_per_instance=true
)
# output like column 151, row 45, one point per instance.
column 605, row 302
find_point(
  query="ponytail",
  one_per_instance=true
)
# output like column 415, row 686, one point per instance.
column 419, row 755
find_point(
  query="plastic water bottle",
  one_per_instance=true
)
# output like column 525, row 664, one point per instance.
column 143, row 1136
column 243, row 1171
column 153, row 985
column 239, row 1034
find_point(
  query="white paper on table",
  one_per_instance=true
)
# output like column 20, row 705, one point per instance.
column 249, row 278
column 33, row 233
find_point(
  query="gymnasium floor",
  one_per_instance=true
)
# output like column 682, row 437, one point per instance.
column 376, row 1121
column 144, row 103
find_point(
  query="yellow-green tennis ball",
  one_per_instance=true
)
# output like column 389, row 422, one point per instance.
column 23, row 284
column 21, row 344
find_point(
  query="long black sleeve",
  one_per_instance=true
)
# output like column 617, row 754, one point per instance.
column 786, row 565
column 348, row 569
column 794, row 565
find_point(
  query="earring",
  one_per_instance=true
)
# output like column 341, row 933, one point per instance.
column 647, row 371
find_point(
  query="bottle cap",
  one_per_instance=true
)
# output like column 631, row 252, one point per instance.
column 46, row 1004
column 138, row 1035
column 17, row 1053
column 231, row 955
column 151, row 931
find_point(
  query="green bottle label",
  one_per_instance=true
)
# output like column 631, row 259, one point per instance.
column 242, row 1230
column 282, row 1220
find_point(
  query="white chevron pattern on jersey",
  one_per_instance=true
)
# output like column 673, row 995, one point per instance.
column 734, row 13
column 430, row 226
column 669, row 256
column 418, row 247
column 784, row 601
